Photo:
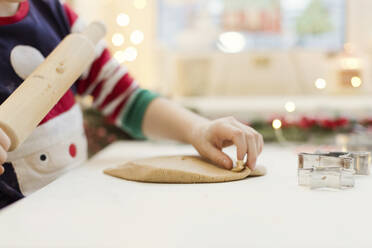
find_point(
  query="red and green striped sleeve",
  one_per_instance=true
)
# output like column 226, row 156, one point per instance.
column 115, row 93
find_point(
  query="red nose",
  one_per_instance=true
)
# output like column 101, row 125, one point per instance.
column 72, row 150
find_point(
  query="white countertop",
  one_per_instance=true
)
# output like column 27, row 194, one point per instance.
column 86, row 208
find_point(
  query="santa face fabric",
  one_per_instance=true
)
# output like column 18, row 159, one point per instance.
column 58, row 145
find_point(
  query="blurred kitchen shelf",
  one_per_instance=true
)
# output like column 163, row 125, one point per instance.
column 249, row 108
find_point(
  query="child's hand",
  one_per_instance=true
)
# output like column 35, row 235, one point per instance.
column 4, row 147
column 210, row 137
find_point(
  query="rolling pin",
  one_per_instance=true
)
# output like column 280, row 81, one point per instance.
column 25, row 108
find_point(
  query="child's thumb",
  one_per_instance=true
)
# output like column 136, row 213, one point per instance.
column 1, row 170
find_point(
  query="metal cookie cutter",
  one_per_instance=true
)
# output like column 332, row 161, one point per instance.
column 326, row 170
column 362, row 161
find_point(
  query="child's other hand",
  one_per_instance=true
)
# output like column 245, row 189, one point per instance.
column 210, row 137
column 4, row 147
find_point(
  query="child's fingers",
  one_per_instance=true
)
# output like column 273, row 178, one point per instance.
column 1, row 170
column 217, row 156
column 252, row 150
column 237, row 136
column 258, row 139
column 248, row 130
column 4, row 140
column 254, row 142
column 241, row 143
column 261, row 140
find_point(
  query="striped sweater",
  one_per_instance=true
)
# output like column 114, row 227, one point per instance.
column 59, row 142
column 41, row 25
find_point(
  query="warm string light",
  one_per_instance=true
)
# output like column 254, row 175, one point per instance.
column 123, row 20
column 356, row 82
column 231, row 42
column 117, row 39
column 137, row 37
column 120, row 56
column 350, row 63
column 290, row 106
column 320, row 83
column 277, row 124
column 130, row 54
column 140, row 4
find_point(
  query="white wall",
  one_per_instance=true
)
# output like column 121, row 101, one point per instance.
column 142, row 68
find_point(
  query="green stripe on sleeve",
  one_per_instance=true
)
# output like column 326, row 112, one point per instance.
column 132, row 116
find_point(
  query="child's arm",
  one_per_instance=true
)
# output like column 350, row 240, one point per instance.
column 4, row 146
column 121, row 100
column 166, row 120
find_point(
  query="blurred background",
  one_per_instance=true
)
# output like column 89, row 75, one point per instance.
column 296, row 70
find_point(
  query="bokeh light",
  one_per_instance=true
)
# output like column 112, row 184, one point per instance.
column 320, row 83
column 356, row 82
column 277, row 124
column 140, row 4
column 120, row 56
column 350, row 63
column 130, row 54
column 231, row 42
column 137, row 37
column 290, row 106
column 123, row 20
column 117, row 39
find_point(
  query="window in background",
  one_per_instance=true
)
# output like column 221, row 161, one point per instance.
column 234, row 26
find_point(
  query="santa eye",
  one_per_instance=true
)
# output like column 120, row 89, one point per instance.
column 43, row 158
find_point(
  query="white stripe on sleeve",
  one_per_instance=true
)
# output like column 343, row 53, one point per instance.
column 109, row 85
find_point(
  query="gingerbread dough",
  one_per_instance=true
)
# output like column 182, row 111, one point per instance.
column 178, row 169
column 239, row 166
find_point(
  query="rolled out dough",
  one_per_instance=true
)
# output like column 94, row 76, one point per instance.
column 178, row 169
